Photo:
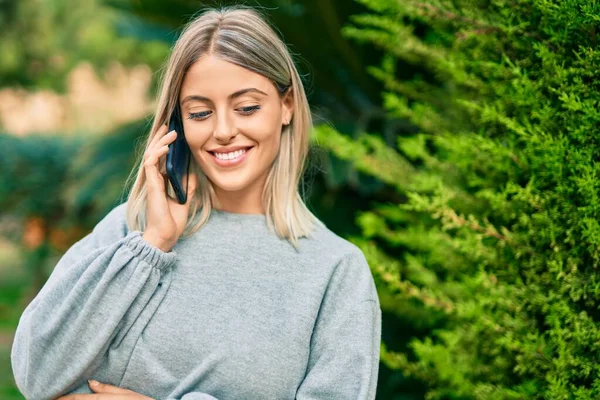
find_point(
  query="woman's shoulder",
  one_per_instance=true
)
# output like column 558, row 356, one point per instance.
column 116, row 217
column 343, row 263
column 112, row 226
column 329, row 244
column 117, row 211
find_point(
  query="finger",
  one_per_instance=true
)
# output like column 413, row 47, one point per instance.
column 166, row 139
column 160, row 142
column 191, row 189
column 154, row 178
column 99, row 387
column 156, row 153
column 160, row 132
column 162, row 160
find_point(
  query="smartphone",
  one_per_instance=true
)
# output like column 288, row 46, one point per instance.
column 178, row 158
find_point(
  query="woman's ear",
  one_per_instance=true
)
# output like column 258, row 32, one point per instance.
column 287, row 103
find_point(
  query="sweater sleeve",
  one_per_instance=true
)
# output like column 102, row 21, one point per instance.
column 94, row 294
column 344, row 353
column 196, row 396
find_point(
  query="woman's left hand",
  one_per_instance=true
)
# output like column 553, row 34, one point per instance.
column 104, row 391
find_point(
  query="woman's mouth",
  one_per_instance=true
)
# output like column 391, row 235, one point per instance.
column 231, row 159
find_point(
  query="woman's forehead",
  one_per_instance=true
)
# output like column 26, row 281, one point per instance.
column 214, row 78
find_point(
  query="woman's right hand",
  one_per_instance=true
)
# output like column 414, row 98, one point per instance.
column 166, row 218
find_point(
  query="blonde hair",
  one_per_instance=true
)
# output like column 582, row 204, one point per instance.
column 240, row 35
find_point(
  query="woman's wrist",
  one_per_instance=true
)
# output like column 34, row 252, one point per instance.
column 156, row 242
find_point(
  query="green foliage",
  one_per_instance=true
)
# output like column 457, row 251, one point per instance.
column 42, row 42
column 103, row 166
column 33, row 172
column 58, row 178
column 491, row 242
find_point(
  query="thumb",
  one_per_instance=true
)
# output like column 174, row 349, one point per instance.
column 98, row 387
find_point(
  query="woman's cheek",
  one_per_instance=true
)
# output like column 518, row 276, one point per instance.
column 196, row 138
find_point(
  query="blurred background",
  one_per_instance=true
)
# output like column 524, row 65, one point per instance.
column 456, row 142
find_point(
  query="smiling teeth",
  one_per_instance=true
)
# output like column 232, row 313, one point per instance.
column 230, row 156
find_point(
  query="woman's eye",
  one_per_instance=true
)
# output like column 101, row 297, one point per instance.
column 205, row 114
column 249, row 110
column 199, row 115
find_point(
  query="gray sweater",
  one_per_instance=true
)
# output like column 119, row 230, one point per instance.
column 232, row 312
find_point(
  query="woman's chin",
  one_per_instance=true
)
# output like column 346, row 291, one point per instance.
column 230, row 186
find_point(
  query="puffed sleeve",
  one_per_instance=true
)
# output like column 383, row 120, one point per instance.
column 94, row 294
column 344, row 350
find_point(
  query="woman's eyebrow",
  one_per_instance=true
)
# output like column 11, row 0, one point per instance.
column 229, row 98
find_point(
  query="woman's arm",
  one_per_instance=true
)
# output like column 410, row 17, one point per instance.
column 195, row 396
column 344, row 352
column 93, row 296
column 105, row 391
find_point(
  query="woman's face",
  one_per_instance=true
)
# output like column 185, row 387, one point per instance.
column 224, row 108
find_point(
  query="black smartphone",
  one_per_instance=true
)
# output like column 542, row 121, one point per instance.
column 178, row 157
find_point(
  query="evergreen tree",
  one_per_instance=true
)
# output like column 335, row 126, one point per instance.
column 488, row 247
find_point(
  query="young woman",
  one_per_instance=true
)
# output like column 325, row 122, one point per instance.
column 240, row 293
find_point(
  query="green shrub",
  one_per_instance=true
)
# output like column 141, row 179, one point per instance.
column 490, row 249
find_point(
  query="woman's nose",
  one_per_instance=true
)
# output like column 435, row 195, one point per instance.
column 225, row 129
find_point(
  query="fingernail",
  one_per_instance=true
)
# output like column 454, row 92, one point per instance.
column 93, row 382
